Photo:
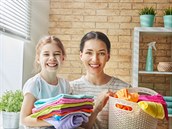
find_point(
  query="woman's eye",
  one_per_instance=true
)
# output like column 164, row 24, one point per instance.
column 102, row 53
column 89, row 53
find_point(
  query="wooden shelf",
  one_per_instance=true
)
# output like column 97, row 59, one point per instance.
column 155, row 72
column 153, row 29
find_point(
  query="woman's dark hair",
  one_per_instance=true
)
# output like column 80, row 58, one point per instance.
column 95, row 35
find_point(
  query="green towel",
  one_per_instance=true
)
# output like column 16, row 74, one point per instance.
column 49, row 109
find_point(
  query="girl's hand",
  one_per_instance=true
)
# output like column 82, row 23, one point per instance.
column 101, row 100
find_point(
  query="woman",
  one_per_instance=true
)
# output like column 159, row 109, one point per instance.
column 95, row 53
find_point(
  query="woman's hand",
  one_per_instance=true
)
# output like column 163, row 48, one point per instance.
column 101, row 100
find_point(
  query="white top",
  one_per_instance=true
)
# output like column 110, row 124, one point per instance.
column 82, row 86
column 40, row 89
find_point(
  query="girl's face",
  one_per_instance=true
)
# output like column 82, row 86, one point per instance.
column 94, row 56
column 50, row 57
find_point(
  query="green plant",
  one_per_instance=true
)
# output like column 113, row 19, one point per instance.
column 147, row 11
column 11, row 101
column 168, row 11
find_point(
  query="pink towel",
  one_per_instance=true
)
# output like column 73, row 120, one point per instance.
column 155, row 98
column 62, row 101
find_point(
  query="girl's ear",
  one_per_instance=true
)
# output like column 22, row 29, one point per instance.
column 37, row 60
column 63, row 58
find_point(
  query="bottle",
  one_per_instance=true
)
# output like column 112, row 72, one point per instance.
column 149, row 59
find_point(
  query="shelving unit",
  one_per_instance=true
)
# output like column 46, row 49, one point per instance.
column 135, row 60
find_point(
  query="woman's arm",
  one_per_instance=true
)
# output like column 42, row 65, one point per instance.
column 100, row 102
column 26, row 111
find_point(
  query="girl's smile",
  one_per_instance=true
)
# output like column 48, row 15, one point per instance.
column 50, row 57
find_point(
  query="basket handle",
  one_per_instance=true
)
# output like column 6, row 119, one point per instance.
column 142, row 90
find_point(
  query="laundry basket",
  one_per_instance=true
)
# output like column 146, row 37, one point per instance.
column 134, row 119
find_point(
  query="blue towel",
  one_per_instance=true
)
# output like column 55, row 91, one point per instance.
column 169, row 104
column 169, row 111
column 42, row 102
column 168, row 98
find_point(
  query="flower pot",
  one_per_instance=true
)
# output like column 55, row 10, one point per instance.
column 10, row 120
column 147, row 20
column 168, row 21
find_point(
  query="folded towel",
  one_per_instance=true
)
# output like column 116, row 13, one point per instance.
column 169, row 111
column 62, row 117
column 62, row 114
column 58, row 107
column 71, row 121
column 168, row 98
column 62, row 101
column 43, row 102
column 154, row 109
column 169, row 104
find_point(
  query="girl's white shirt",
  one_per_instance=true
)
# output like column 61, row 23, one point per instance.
column 40, row 89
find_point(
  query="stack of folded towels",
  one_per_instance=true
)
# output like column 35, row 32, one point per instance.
column 168, row 100
column 64, row 110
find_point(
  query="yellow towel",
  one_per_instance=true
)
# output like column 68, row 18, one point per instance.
column 154, row 109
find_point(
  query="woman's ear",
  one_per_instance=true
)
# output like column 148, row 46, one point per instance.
column 108, row 57
column 80, row 55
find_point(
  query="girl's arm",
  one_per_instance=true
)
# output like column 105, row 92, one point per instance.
column 26, row 111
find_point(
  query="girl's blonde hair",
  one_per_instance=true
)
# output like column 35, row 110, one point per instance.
column 43, row 41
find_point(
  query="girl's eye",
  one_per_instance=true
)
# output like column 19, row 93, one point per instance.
column 57, row 54
column 45, row 54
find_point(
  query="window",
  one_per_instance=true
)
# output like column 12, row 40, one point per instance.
column 15, row 18
column 14, row 31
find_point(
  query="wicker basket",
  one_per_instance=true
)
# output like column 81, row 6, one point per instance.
column 135, row 119
column 164, row 66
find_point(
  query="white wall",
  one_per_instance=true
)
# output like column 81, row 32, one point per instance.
column 39, row 28
column 11, row 63
column 17, row 57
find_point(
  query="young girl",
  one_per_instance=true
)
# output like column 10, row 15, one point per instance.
column 94, row 54
column 50, row 54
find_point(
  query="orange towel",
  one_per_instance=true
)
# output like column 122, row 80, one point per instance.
column 124, row 94
column 128, row 108
column 62, row 114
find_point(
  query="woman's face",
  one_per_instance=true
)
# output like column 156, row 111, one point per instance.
column 94, row 56
column 50, row 57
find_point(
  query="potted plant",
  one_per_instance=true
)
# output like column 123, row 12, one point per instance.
column 168, row 17
column 147, row 16
column 10, row 105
